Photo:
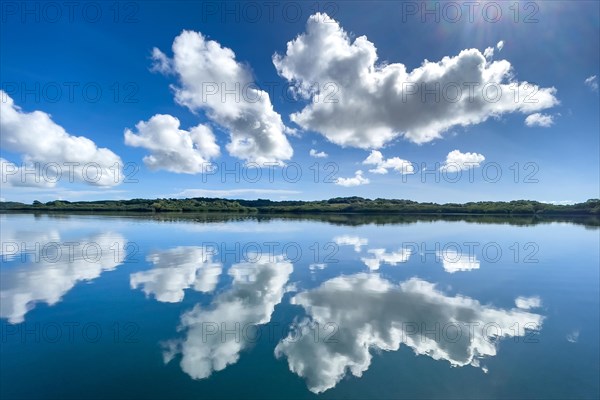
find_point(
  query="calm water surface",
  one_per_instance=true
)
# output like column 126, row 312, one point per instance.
column 129, row 307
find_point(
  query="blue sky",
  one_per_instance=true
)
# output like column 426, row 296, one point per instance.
column 371, row 54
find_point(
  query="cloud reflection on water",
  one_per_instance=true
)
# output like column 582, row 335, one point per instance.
column 214, row 337
column 53, row 268
column 372, row 313
column 178, row 269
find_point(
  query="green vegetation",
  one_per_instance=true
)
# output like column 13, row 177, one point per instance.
column 338, row 205
column 134, row 205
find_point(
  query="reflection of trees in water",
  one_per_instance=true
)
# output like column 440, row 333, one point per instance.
column 355, row 219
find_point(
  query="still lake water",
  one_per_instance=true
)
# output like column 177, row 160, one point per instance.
column 212, row 307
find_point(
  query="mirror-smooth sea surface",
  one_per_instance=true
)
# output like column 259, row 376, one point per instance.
column 248, row 307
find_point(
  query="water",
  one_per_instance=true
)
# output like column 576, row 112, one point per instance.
column 353, row 307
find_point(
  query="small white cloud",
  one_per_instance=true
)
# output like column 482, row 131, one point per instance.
column 316, row 266
column 161, row 63
column 457, row 161
column 382, row 165
column 527, row 303
column 357, row 180
column 537, row 119
column 592, row 82
column 488, row 52
column 500, row 45
column 171, row 148
column 318, row 154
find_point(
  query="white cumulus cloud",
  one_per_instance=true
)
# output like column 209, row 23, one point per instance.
column 357, row 180
column 212, row 80
column 382, row 165
column 317, row 154
column 45, row 146
column 376, row 102
column 458, row 161
column 171, row 148
column 537, row 119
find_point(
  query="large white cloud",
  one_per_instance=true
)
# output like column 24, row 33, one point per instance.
column 211, row 79
column 209, row 344
column 377, row 102
column 43, row 142
column 178, row 269
column 171, row 148
column 370, row 313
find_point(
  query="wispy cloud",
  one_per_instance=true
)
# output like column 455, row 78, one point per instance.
column 592, row 82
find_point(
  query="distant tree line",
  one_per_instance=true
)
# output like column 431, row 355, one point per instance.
column 339, row 205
